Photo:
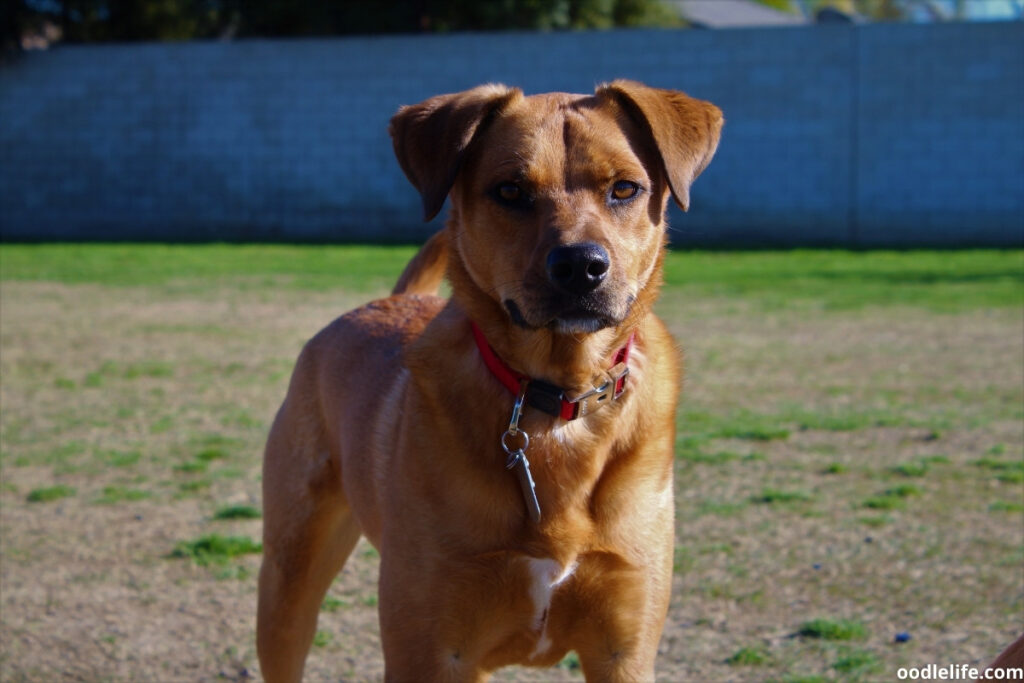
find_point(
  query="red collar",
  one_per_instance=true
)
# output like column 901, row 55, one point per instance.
column 554, row 400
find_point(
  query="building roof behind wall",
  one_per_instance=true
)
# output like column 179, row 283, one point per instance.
column 733, row 14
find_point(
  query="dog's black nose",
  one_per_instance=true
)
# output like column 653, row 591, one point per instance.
column 578, row 268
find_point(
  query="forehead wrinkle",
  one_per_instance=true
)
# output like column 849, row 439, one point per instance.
column 512, row 166
column 596, row 155
column 560, row 146
column 576, row 141
column 510, row 149
column 542, row 156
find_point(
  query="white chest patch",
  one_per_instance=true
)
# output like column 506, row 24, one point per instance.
column 545, row 576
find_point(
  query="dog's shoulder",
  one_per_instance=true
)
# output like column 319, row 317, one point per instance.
column 373, row 336
column 395, row 320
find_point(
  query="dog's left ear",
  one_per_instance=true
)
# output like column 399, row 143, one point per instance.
column 685, row 130
column 430, row 138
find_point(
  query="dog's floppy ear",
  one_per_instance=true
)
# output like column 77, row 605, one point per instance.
column 685, row 130
column 430, row 138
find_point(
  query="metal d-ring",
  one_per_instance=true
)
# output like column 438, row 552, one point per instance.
column 509, row 449
column 513, row 424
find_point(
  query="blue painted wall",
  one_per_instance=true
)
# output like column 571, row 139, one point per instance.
column 880, row 135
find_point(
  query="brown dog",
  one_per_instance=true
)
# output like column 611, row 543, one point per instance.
column 1009, row 665
column 398, row 423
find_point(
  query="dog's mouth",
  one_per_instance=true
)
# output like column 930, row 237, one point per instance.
column 579, row 322
column 570, row 318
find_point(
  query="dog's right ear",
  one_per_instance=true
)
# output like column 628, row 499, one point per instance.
column 685, row 130
column 430, row 138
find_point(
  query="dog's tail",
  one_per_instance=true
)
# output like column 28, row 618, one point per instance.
column 424, row 272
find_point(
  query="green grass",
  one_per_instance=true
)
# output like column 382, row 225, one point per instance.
column 120, row 494
column 833, row 629
column 571, row 662
column 857, row 661
column 698, row 426
column 696, row 456
column 749, row 656
column 214, row 446
column 884, row 502
column 148, row 369
column 875, row 521
column 721, row 508
column 946, row 281
column 771, row 496
column 910, row 469
column 50, row 493
column 161, row 425
column 1006, row 471
column 702, row 425
column 683, row 559
column 359, row 268
column 209, row 454
column 332, row 604
column 903, row 491
column 118, row 458
column 214, row 549
column 193, row 487
column 237, row 512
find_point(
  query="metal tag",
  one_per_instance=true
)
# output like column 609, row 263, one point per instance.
column 521, row 466
column 517, row 455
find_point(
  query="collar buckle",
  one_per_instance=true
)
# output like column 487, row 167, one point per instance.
column 611, row 385
column 554, row 401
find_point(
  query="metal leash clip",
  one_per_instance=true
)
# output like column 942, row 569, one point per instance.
column 516, row 460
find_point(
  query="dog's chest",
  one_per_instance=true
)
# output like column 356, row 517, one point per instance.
column 545, row 576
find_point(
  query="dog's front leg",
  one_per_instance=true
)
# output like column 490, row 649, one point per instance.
column 308, row 532
column 618, row 639
column 620, row 644
column 413, row 651
column 293, row 580
column 433, row 619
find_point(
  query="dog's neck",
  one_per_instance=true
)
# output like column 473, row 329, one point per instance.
column 567, row 361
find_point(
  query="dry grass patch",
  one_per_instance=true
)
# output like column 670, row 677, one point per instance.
column 137, row 405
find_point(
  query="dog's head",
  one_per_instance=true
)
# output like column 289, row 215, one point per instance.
column 558, row 200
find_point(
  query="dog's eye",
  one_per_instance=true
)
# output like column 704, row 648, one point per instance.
column 512, row 195
column 510, row 192
column 623, row 190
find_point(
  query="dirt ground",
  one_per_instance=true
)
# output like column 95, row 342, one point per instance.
column 857, row 466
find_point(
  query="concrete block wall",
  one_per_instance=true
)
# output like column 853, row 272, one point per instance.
column 940, row 135
column 893, row 135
